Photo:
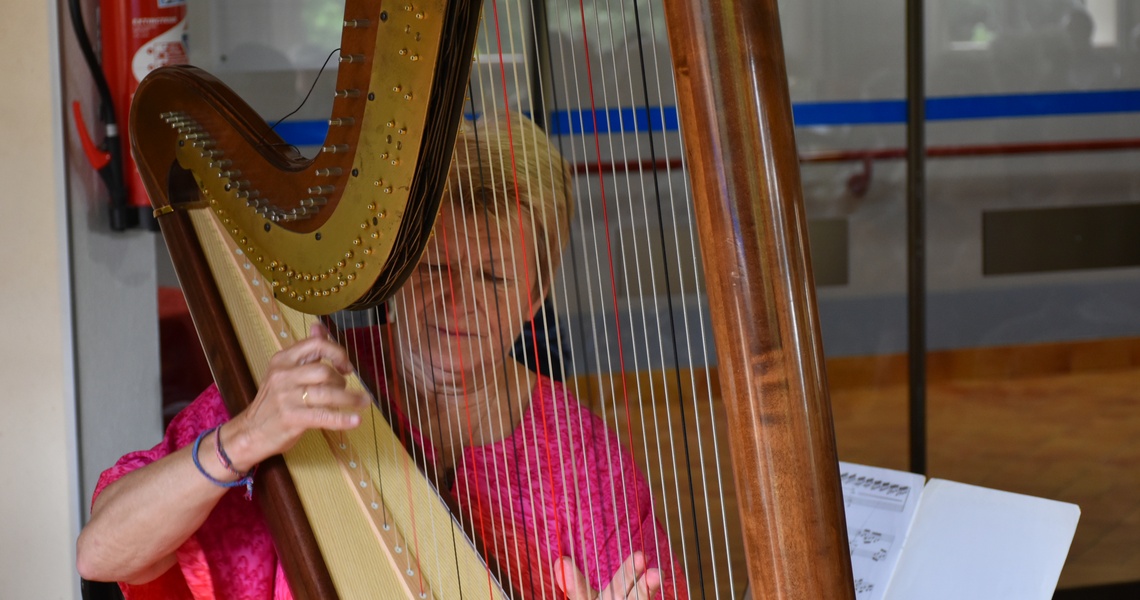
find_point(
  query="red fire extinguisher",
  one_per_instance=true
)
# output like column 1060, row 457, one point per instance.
column 137, row 36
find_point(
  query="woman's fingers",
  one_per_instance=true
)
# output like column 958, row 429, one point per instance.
column 304, row 388
column 324, row 389
column 631, row 581
column 314, row 349
column 626, row 577
column 311, row 375
column 318, row 418
column 329, row 407
column 571, row 581
column 648, row 585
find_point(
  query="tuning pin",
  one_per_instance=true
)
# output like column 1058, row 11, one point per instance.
column 314, row 201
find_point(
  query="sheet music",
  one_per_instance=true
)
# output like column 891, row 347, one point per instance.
column 983, row 544
column 880, row 506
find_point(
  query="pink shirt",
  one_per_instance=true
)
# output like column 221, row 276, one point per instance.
column 232, row 554
column 560, row 485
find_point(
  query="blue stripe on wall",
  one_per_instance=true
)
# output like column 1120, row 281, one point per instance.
column 959, row 108
column 303, row 133
column 613, row 120
column 813, row 114
column 1032, row 105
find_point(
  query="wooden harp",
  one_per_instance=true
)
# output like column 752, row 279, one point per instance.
column 263, row 237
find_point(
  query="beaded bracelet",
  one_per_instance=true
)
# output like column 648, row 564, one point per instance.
column 247, row 481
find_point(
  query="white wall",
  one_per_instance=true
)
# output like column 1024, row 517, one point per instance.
column 80, row 358
column 39, row 512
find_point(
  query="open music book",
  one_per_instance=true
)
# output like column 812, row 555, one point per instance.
column 944, row 540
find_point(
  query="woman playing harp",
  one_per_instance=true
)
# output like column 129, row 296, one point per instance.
column 556, row 502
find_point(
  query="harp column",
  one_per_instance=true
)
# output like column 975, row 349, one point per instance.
column 740, row 150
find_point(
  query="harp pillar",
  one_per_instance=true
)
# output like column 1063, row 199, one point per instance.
column 732, row 88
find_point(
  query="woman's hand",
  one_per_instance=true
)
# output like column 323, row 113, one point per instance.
column 304, row 388
column 138, row 522
column 632, row 581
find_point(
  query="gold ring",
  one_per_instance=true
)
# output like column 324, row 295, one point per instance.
column 305, row 398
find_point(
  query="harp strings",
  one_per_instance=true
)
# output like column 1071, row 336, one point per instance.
column 574, row 67
column 448, row 289
column 562, row 453
column 415, row 388
column 372, row 341
column 592, row 272
column 466, row 199
column 348, row 332
column 367, row 340
column 692, row 252
column 522, row 568
column 640, row 371
column 618, row 335
column 652, row 274
column 589, row 497
column 517, row 399
column 582, row 283
column 499, row 117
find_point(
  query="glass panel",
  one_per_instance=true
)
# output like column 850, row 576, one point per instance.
column 271, row 53
column 1029, row 365
column 845, row 71
column 1033, row 328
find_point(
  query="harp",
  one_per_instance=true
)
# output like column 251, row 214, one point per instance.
column 264, row 238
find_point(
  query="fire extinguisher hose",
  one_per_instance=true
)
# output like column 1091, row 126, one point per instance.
column 122, row 217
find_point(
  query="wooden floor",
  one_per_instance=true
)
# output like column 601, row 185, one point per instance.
column 1072, row 436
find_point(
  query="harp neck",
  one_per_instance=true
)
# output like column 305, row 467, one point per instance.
column 343, row 229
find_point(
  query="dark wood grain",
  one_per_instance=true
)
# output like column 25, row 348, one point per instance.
column 303, row 564
column 739, row 141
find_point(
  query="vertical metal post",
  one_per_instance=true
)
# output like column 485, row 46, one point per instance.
column 916, row 230
column 539, row 63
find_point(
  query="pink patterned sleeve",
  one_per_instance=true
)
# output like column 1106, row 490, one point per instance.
column 232, row 554
column 193, row 580
column 205, row 412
